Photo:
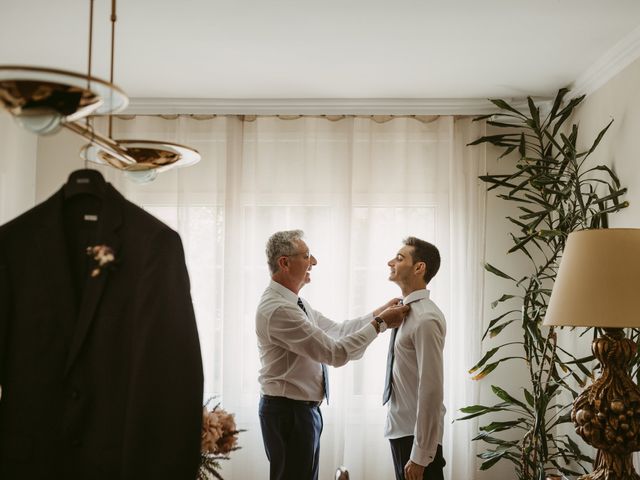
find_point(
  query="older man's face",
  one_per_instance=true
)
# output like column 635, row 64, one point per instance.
column 300, row 264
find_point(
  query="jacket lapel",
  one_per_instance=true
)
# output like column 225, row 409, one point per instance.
column 108, row 223
column 55, row 262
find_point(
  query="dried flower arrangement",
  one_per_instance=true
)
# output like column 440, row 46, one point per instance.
column 219, row 439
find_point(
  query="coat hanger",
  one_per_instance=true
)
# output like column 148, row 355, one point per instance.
column 85, row 181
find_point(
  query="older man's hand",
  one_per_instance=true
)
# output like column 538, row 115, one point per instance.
column 394, row 316
column 390, row 303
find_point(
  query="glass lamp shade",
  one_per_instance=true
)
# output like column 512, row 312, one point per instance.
column 149, row 157
column 42, row 121
column 43, row 99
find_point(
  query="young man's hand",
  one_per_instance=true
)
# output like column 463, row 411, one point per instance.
column 413, row 471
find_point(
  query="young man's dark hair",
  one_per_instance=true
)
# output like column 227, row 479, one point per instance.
column 427, row 253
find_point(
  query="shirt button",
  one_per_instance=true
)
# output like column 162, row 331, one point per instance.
column 75, row 394
column 75, row 442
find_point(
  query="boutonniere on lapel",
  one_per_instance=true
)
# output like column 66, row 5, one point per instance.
column 103, row 256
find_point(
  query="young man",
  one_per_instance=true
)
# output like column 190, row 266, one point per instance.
column 296, row 343
column 414, row 384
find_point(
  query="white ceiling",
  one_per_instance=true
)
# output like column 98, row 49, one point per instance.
column 334, row 51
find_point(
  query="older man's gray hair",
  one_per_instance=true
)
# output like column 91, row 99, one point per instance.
column 279, row 244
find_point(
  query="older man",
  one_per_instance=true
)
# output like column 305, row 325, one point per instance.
column 414, row 384
column 296, row 343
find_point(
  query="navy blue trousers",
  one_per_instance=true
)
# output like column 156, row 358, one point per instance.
column 291, row 434
column 401, row 452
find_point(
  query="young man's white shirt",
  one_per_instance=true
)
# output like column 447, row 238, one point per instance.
column 416, row 404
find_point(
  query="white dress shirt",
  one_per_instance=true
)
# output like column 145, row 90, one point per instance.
column 416, row 405
column 292, row 345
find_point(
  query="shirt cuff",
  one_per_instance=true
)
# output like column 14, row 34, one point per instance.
column 422, row 456
column 370, row 331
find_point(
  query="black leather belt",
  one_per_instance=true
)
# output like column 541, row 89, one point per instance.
column 290, row 401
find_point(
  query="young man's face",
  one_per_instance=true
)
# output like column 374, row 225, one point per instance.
column 401, row 266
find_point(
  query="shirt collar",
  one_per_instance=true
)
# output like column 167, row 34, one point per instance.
column 421, row 294
column 284, row 291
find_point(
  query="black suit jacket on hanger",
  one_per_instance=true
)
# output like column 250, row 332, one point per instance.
column 101, row 376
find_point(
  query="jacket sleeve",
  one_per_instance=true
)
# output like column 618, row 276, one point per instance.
column 4, row 318
column 164, row 400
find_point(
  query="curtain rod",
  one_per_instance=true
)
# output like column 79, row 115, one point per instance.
column 253, row 118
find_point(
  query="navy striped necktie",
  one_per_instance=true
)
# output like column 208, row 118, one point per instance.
column 388, row 379
column 325, row 372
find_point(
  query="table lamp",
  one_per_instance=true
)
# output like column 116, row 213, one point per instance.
column 598, row 285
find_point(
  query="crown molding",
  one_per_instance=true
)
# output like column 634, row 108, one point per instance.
column 616, row 59
column 304, row 106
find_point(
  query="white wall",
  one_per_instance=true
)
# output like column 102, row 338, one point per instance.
column 620, row 149
column 17, row 168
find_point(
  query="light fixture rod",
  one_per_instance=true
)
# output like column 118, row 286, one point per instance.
column 107, row 143
column 113, row 41
column 90, row 46
column 87, row 120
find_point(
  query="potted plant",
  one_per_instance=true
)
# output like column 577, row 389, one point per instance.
column 555, row 191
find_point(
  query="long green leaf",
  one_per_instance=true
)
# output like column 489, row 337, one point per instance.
column 500, row 426
column 495, row 271
column 503, row 395
column 534, row 111
column 492, row 366
column 598, row 139
column 479, row 410
column 503, row 298
column 496, row 320
column 522, row 148
column 498, row 140
column 484, row 359
column 557, row 102
column 498, row 328
column 501, row 104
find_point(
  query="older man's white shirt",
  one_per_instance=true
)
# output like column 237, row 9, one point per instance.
column 292, row 345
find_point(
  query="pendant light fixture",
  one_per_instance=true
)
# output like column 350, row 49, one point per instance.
column 150, row 157
column 141, row 160
column 43, row 99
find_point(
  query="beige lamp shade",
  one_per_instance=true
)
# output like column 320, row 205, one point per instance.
column 598, row 283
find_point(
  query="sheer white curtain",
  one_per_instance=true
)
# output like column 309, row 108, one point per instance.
column 357, row 188
column 17, row 168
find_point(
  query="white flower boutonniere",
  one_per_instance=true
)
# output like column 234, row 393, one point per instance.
column 104, row 256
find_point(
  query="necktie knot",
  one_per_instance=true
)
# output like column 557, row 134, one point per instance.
column 301, row 305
